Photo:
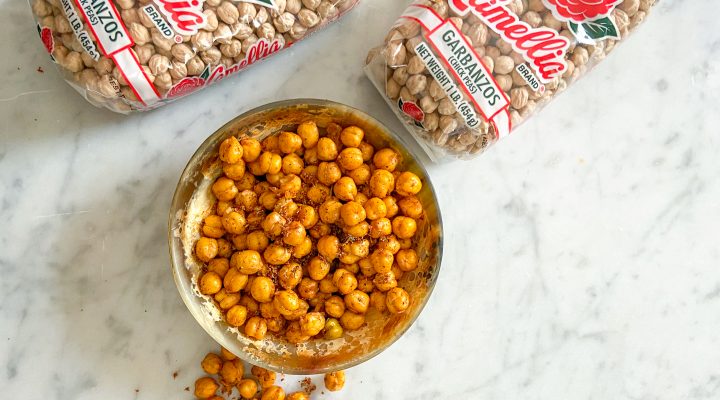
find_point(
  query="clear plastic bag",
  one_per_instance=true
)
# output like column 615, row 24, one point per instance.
column 461, row 74
column 136, row 55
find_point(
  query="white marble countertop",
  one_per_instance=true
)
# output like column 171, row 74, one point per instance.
column 581, row 257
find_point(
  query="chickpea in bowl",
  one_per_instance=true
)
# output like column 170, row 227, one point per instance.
column 304, row 238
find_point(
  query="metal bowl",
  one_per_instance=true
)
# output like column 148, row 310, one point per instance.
column 193, row 201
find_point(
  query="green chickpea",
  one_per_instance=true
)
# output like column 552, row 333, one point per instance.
column 333, row 330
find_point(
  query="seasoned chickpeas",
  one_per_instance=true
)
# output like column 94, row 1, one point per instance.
column 311, row 229
column 211, row 364
column 205, row 388
column 247, row 388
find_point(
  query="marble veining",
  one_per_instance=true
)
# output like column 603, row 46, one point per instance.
column 581, row 253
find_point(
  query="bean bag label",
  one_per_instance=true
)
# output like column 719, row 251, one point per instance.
column 77, row 26
column 106, row 25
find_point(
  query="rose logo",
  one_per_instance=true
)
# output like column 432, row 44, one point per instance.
column 588, row 19
column 189, row 84
column 46, row 35
column 413, row 111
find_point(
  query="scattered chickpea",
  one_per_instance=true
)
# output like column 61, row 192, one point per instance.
column 232, row 371
column 226, row 354
column 335, row 381
column 273, row 393
column 298, row 396
column 205, row 388
column 247, row 388
column 212, row 363
column 266, row 378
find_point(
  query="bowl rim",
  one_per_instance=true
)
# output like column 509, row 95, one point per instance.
column 175, row 207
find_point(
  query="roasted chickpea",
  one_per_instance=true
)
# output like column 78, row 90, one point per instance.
column 234, row 171
column 380, row 227
column 311, row 157
column 294, row 334
column 224, row 189
column 328, row 173
column 326, row 285
column 345, row 189
column 252, row 306
column 211, row 363
column 352, row 213
column 303, row 248
column 251, row 149
column 247, row 261
column 262, row 187
column 273, row 393
column 224, row 248
column 408, row 184
column 307, row 216
column 386, row 159
column 276, row 324
column 407, row 259
column 294, row 233
column 219, row 266
column 268, row 310
column 286, row 301
column 230, row 150
column 308, row 132
column 367, row 151
column 328, row 247
column 365, row 283
column 352, row 136
column 292, row 164
column 317, row 268
column 385, row 281
column 268, row 200
column 381, row 183
column 226, row 300
column 223, row 207
column 360, row 175
column 226, row 354
column 377, row 300
column 351, row 320
column 205, row 388
column 213, row 227
column 344, row 280
column 271, row 143
column 375, row 208
column 335, row 306
column 360, row 248
column 290, row 275
column 357, row 301
column 276, row 254
column 274, row 224
column 246, row 182
column 286, row 207
column 210, row 283
column 359, row 230
column 382, row 260
column 298, row 396
column 206, row 249
column 296, row 314
column 290, row 185
column 236, row 315
column 319, row 230
column 318, row 193
column 257, row 240
column 366, row 267
column 390, row 243
column 266, row 378
column 350, row 158
column 327, row 149
column 353, row 268
column 289, row 142
column 411, row 207
column 397, row 300
column 404, row 227
column 330, row 211
column 391, row 206
column 312, row 323
column 333, row 329
column 397, row 272
column 335, row 381
column 246, row 200
column 262, row 289
column 239, row 241
column 234, row 222
column 247, row 388
column 308, row 288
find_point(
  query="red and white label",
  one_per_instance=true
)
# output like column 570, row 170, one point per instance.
column 463, row 63
column 76, row 24
column 105, row 23
column 185, row 16
column 542, row 47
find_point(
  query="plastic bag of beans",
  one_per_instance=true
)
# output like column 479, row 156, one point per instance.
column 136, row 55
column 463, row 73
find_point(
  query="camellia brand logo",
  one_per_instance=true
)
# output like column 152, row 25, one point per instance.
column 542, row 47
column 185, row 16
column 587, row 19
